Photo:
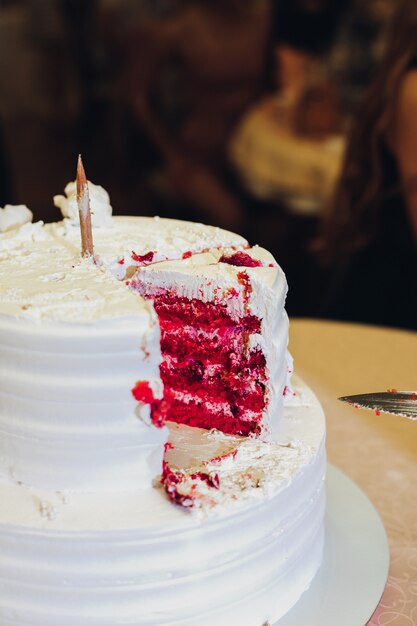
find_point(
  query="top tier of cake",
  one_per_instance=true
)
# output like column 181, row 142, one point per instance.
column 76, row 338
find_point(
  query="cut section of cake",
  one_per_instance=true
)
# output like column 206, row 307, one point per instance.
column 224, row 334
column 110, row 402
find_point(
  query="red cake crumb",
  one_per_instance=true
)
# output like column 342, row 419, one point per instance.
column 171, row 479
column 142, row 392
column 232, row 293
column 240, row 259
column 211, row 481
column 160, row 412
column 288, row 391
column 121, row 261
column 187, row 254
column 377, row 412
column 143, row 259
column 244, row 280
column 218, row 460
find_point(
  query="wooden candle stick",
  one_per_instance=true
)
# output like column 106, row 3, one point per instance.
column 83, row 200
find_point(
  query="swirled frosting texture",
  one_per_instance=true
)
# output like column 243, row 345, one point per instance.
column 84, row 538
column 12, row 216
column 101, row 209
column 108, row 560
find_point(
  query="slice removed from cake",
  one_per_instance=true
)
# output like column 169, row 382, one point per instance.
column 224, row 334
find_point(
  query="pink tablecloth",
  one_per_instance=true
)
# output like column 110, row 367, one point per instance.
column 378, row 452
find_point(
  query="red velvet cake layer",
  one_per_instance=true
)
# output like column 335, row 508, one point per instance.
column 199, row 314
column 219, row 381
column 202, row 413
column 211, row 378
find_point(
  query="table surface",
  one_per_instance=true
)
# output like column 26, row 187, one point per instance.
column 378, row 452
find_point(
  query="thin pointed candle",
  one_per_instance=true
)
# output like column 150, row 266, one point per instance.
column 83, row 200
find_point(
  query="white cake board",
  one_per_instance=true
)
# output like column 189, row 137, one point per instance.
column 351, row 580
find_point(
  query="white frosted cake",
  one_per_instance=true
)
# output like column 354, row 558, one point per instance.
column 158, row 467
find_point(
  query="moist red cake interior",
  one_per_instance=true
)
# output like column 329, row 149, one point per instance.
column 212, row 379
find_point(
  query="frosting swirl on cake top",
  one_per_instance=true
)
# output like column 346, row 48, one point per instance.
column 14, row 215
column 101, row 209
column 42, row 275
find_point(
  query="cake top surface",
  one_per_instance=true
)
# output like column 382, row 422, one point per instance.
column 42, row 276
column 116, row 236
column 129, row 239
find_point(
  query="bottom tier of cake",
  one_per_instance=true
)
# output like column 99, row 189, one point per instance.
column 243, row 556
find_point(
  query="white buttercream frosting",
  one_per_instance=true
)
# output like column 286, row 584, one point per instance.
column 41, row 278
column 68, row 419
column 101, row 209
column 84, row 537
column 14, row 215
column 133, row 558
column 120, row 248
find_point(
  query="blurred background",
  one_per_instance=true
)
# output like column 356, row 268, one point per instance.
column 245, row 114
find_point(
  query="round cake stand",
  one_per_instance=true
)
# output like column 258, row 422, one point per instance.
column 354, row 571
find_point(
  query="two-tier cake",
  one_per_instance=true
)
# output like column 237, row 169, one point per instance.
column 157, row 466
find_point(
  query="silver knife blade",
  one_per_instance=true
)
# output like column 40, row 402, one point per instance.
column 402, row 403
